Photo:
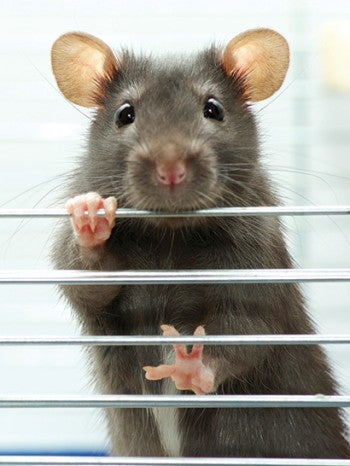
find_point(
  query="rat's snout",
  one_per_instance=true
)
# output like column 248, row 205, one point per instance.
column 170, row 164
column 172, row 173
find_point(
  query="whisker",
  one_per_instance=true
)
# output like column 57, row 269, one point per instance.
column 42, row 75
column 32, row 188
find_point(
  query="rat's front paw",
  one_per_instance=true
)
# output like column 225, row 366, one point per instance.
column 188, row 372
column 92, row 231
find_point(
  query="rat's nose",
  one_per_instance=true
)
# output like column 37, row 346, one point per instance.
column 171, row 174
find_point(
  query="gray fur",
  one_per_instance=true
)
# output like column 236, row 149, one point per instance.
column 223, row 170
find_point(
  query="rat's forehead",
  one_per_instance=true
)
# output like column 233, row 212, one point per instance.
column 136, row 91
column 141, row 77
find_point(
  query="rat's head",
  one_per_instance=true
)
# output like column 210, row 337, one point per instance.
column 174, row 134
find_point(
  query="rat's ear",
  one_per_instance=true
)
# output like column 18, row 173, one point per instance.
column 260, row 57
column 82, row 65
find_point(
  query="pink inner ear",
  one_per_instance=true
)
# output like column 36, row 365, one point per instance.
column 98, row 64
column 92, row 64
column 260, row 59
column 243, row 59
column 82, row 65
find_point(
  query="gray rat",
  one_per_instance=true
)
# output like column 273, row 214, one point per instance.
column 171, row 135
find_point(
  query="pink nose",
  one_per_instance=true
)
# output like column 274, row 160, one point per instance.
column 171, row 175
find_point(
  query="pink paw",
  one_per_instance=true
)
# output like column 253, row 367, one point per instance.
column 188, row 372
column 91, row 230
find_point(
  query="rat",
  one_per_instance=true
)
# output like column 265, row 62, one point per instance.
column 179, row 134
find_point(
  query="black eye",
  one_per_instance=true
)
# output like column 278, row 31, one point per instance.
column 213, row 109
column 124, row 115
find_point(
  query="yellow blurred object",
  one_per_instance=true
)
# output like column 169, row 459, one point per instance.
column 336, row 55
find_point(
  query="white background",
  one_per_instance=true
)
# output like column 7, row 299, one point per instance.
column 306, row 142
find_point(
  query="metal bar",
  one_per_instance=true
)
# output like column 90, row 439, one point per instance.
column 216, row 212
column 139, row 461
column 178, row 401
column 258, row 340
column 134, row 277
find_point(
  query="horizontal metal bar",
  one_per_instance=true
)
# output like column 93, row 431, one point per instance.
column 153, row 461
column 259, row 340
column 134, row 277
column 179, row 401
column 216, row 212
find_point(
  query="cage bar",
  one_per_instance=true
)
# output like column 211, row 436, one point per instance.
column 178, row 401
column 134, row 277
column 156, row 461
column 259, row 340
column 215, row 212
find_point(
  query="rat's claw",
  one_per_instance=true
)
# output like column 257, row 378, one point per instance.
column 197, row 349
column 204, row 382
column 159, row 372
column 189, row 371
column 76, row 208
column 92, row 230
column 199, row 332
column 93, row 204
column 169, row 331
column 110, row 206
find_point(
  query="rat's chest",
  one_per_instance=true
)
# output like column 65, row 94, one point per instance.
column 142, row 309
column 175, row 250
column 147, row 306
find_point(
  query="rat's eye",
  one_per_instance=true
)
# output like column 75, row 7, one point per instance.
column 213, row 109
column 124, row 115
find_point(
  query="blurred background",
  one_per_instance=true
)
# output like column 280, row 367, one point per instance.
column 305, row 131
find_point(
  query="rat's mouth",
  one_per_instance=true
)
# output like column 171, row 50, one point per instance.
column 172, row 179
column 174, row 199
